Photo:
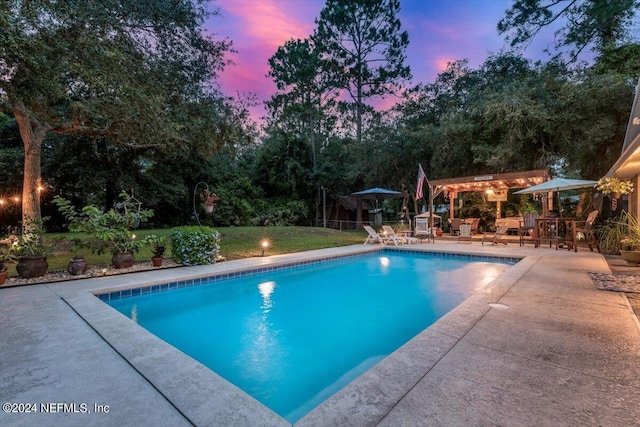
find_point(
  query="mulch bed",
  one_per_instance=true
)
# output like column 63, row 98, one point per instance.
column 92, row 271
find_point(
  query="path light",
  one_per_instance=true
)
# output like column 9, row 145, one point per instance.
column 265, row 245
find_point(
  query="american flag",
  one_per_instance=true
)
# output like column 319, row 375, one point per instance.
column 422, row 177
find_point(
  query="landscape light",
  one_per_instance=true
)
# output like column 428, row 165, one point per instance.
column 265, row 245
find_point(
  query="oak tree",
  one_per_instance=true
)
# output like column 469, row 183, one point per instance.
column 120, row 69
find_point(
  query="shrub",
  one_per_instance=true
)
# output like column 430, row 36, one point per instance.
column 112, row 229
column 195, row 245
column 290, row 213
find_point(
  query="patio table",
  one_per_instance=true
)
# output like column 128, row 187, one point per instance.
column 555, row 230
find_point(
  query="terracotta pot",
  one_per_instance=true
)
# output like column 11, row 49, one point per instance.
column 439, row 232
column 632, row 257
column 156, row 261
column 78, row 265
column 615, row 195
column 123, row 259
column 3, row 276
column 32, row 266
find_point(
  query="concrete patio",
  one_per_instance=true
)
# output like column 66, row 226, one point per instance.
column 539, row 346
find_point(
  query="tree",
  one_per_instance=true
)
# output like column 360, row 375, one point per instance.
column 585, row 22
column 363, row 38
column 120, row 69
column 306, row 95
column 306, row 89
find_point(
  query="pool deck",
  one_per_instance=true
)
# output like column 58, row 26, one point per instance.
column 540, row 345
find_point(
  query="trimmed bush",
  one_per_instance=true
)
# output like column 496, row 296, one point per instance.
column 195, row 245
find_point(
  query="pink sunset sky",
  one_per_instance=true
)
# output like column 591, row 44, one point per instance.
column 440, row 31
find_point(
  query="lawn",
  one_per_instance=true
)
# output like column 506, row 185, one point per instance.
column 235, row 243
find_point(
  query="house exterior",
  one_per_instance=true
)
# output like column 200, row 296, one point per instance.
column 628, row 164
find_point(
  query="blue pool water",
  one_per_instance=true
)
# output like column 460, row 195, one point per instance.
column 292, row 338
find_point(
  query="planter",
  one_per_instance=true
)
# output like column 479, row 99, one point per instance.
column 156, row 261
column 439, row 232
column 78, row 265
column 3, row 276
column 123, row 259
column 208, row 209
column 632, row 257
column 32, row 266
column 615, row 195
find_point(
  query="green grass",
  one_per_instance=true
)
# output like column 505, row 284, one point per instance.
column 235, row 243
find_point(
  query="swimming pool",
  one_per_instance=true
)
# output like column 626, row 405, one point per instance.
column 292, row 338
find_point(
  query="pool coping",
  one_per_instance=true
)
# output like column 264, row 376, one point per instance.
column 202, row 396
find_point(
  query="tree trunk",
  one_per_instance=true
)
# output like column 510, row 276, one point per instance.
column 32, row 136
column 359, row 109
column 312, row 139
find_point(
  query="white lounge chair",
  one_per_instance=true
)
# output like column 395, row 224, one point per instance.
column 373, row 237
column 390, row 235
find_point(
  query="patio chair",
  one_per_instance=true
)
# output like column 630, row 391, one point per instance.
column 465, row 233
column 373, row 237
column 585, row 235
column 455, row 226
column 497, row 237
column 527, row 225
column 390, row 235
column 474, row 222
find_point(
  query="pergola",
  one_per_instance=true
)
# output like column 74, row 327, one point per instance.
column 493, row 184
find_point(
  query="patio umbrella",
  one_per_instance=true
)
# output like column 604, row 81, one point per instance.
column 376, row 194
column 558, row 184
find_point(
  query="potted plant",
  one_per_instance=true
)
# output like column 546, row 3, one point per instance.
column 209, row 199
column 31, row 250
column 158, row 247
column 614, row 187
column 6, row 256
column 622, row 235
column 112, row 230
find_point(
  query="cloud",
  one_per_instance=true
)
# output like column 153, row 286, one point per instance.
column 442, row 63
column 268, row 21
column 257, row 29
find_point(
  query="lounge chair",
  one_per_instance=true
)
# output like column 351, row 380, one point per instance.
column 373, row 237
column 465, row 233
column 527, row 226
column 390, row 235
column 585, row 235
column 497, row 237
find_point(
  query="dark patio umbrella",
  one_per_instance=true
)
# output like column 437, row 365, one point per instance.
column 374, row 194
column 378, row 194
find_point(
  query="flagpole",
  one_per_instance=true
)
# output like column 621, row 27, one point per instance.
column 423, row 176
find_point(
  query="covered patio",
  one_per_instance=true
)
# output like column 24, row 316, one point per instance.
column 496, row 185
